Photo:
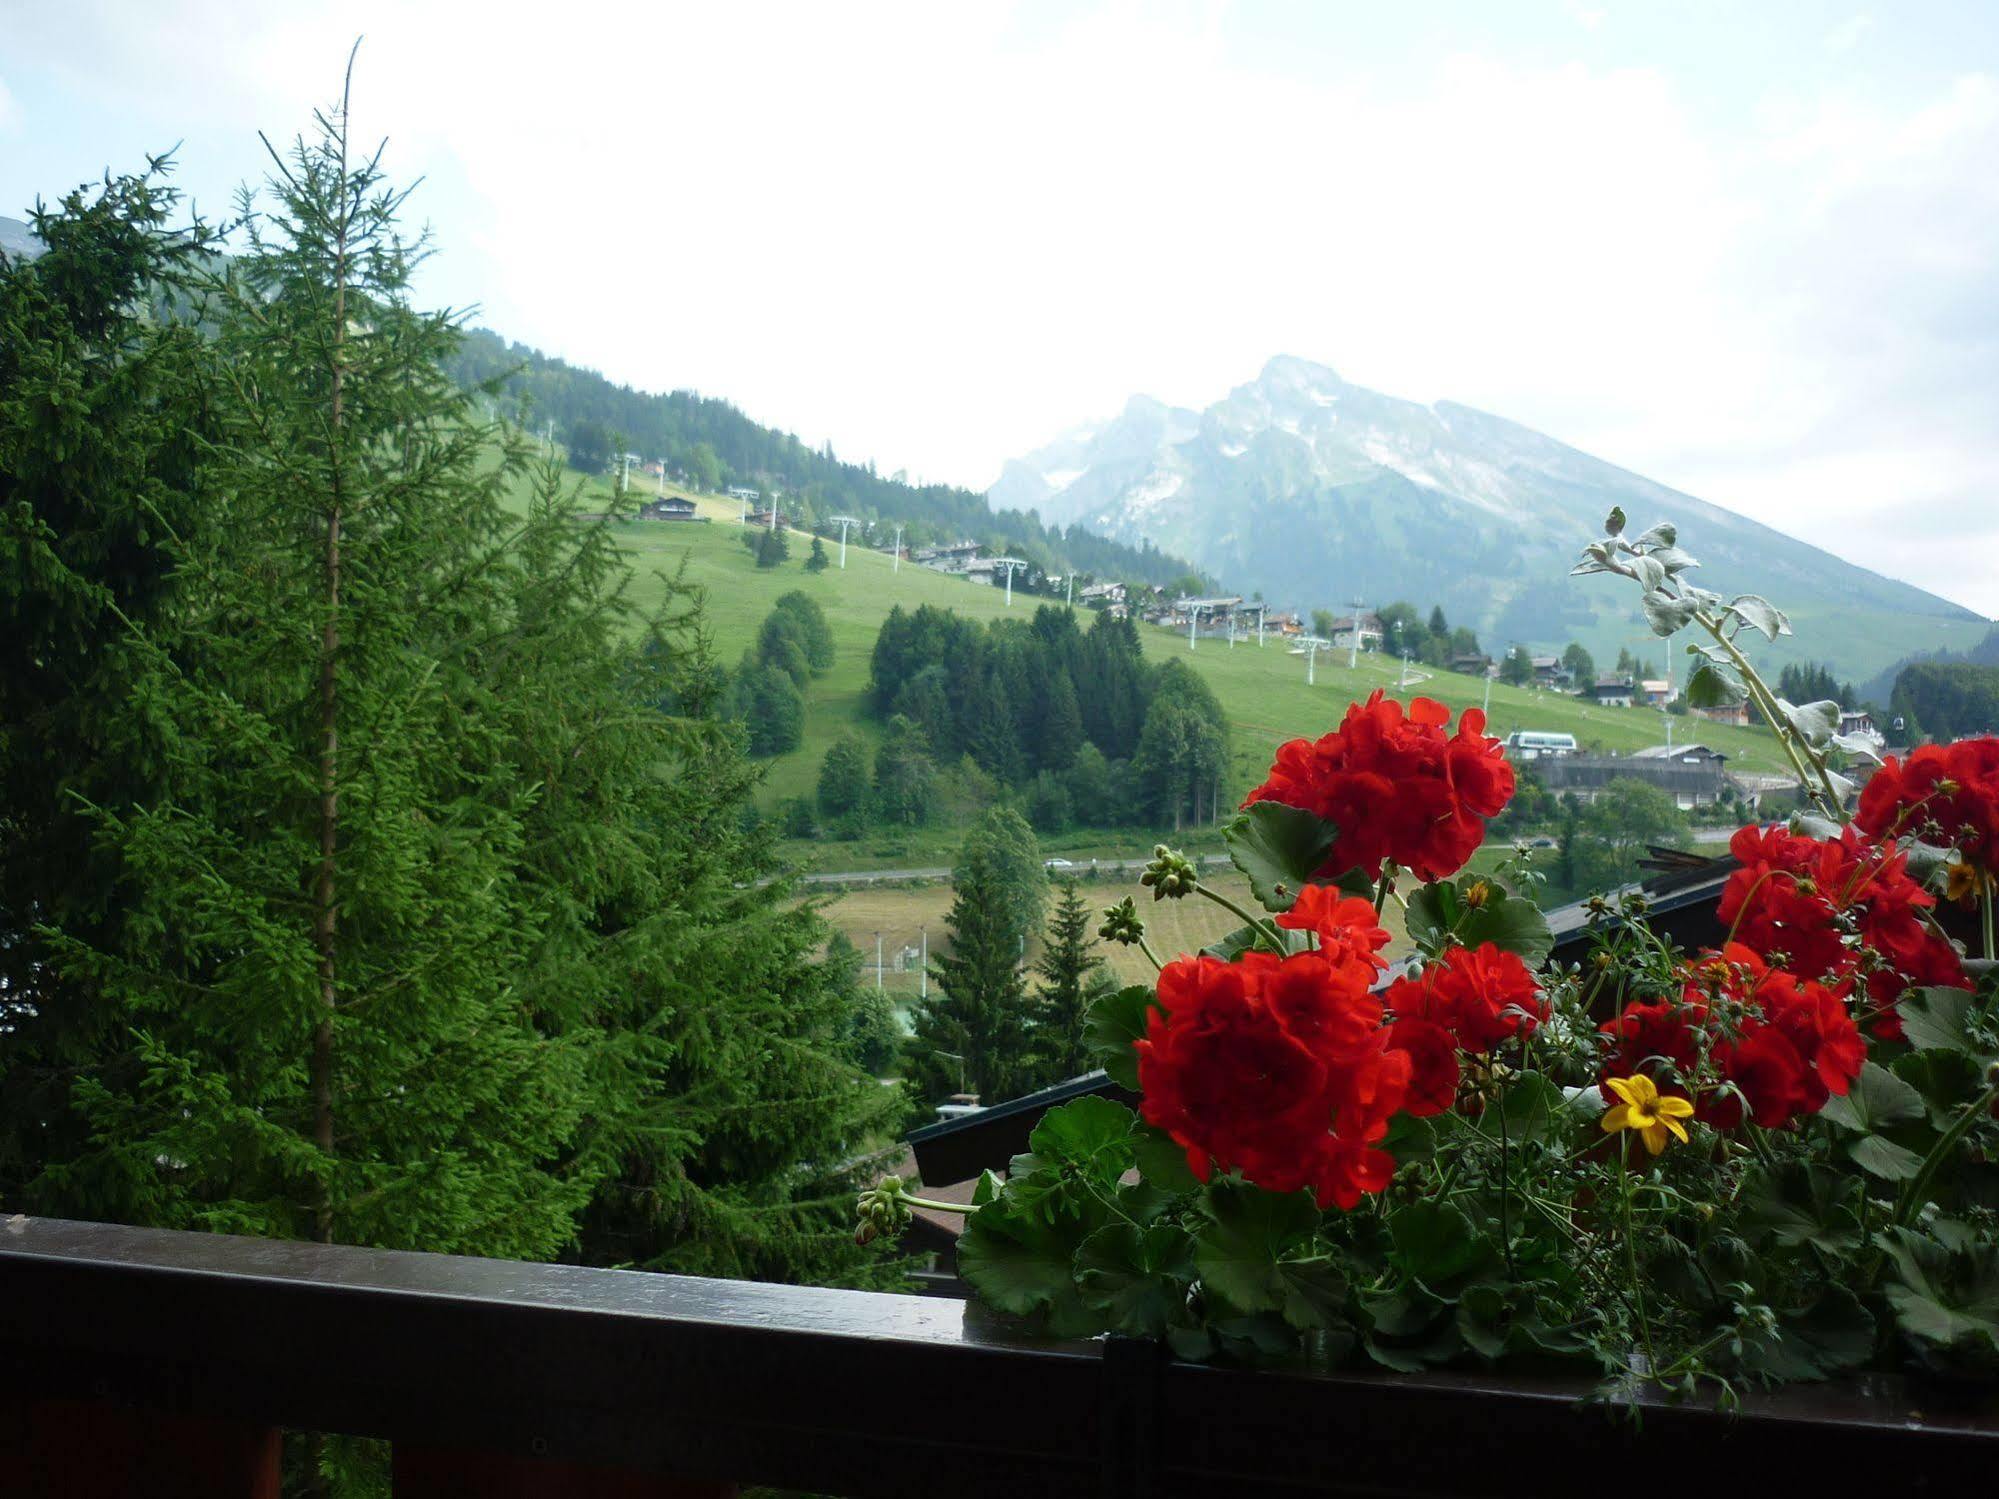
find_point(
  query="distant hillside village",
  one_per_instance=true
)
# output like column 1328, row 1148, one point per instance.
column 1694, row 774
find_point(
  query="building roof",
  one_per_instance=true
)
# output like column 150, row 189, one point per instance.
column 1677, row 752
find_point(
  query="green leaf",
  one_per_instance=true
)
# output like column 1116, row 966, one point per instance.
column 1138, row 1277
column 1162, row 1160
column 1834, row 1334
column 1439, row 914
column 1664, row 534
column 1937, row 1019
column 1613, row 524
column 1017, row 1262
column 1312, row 1292
column 1666, row 614
column 1092, row 1134
column 1797, row 1204
column 1948, row 1301
column 1815, row 723
column 1233, row 944
column 1111, row 1024
column 1247, row 1232
column 1877, row 1098
column 1885, row 1159
column 1759, row 613
column 1713, row 686
column 988, row 1189
column 1279, row 849
column 1534, row 1109
column 1437, row 1245
column 1948, row 1080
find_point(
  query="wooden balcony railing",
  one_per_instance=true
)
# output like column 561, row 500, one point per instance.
column 139, row 1361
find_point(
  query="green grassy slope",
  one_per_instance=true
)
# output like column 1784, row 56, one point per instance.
column 1263, row 690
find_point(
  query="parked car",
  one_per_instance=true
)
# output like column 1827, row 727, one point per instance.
column 1058, row 864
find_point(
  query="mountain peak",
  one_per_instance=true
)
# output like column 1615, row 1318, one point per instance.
column 1290, row 370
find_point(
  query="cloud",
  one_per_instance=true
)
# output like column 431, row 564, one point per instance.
column 938, row 235
column 1846, row 35
column 10, row 111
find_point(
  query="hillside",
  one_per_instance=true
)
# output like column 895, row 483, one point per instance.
column 692, row 431
column 1263, row 691
column 1386, row 498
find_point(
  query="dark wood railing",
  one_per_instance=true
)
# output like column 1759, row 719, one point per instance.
column 145, row 1361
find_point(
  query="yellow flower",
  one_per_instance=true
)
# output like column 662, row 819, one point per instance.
column 1645, row 1111
column 1965, row 882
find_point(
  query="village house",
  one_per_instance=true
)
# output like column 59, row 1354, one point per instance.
column 1735, row 715
column 1691, row 774
column 1101, row 595
column 770, row 520
column 1368, row 628
column 667, row 507
column 952, row 557
column 1549, row 672
column 1611, row 692
column 1656, row 694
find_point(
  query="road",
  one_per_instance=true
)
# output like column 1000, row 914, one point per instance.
column 1079, row 866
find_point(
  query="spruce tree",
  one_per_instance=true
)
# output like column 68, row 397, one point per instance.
column 443, row 926
column 1069, row 968
column 975, row 1029
column 817, row 561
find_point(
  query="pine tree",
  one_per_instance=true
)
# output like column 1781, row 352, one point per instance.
column 443, row 924
column 975, row 1030
column 104, row 425
column 817, row 561
column 1061, row 725
column 1068, row 967
column 905, row 776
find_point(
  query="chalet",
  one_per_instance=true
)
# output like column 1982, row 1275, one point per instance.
column 770, row 520
column 1549, row 672
column 1101, row 595
column 1287, row 624
column 1735, row 714
column 1367, row 628
column 1611, row 692
column 1862, row 726
column 953, row 557
column 1471, row 664
column 744, row 492
column 667, row 507
column 1656, row 694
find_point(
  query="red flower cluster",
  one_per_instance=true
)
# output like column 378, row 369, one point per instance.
column 1349, row 932
column 1397, row 786
column 1278, row 1067
column 1741, row 1036
column 1481, row 995
column 1804, row 897
column 1955, row 786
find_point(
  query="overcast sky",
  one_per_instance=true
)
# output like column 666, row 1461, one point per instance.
column 1748, row 251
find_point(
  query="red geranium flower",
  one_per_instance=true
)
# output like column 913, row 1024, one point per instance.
column 1820, row 901
column 1433, row 1062
column 1480, row 995
column 1277, row 1067
column 1660, row 1040
column 1350, row 934
column 1954, row 787
column 1796, row 1044
column 1396, row 786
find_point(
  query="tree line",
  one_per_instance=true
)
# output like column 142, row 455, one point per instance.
column 1074, row 721
column 713, row 444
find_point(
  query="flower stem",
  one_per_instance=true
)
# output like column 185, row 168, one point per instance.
column 1631, row 1254
column 1264, row 931
column 1766, row 702
column 1157, row 966
column 1917, row 1192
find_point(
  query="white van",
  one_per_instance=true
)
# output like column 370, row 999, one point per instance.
column 1531, row 744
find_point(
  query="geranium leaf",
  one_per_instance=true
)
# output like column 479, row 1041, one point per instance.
column 1137, row 1277
column 1234, row 943
column 1279, row 849
column 1016, row 1261
column 1247, row 1232
column 1797, row 1204
column 1937, row 1019
column 1885, row 1159
column 1441, row 913
column 1877, row 1098
column 1092, row 1134
column 1161, row 1160
column 1112, row 1022
column 1436, row 1244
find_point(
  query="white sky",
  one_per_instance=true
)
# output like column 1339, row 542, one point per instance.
column 1746, row 251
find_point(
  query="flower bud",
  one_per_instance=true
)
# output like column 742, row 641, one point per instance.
column 1170, row 873
column 1121, row 923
